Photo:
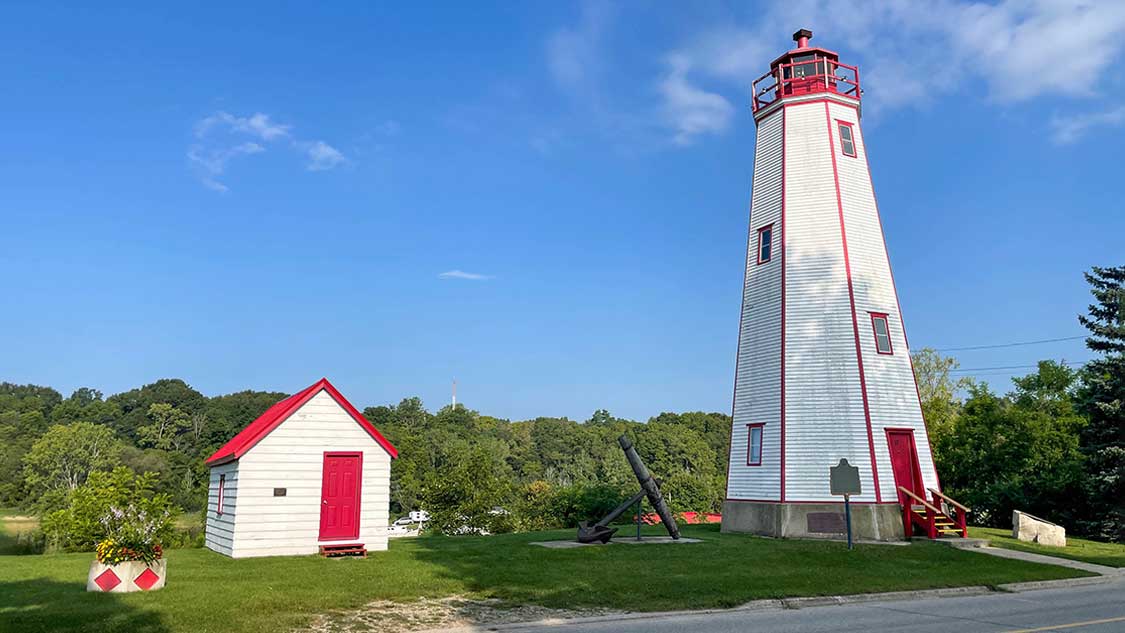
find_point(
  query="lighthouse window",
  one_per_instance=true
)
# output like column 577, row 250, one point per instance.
column 882, row 334
column 804, row 66
column 765, row 243
column 754, row 444
column 847, row 141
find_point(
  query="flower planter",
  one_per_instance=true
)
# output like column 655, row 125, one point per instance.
column 128, row 576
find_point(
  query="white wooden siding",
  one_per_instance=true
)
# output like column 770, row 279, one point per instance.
column 758, row 379
column 292, row 457
column 824, row 415
column 891, row 392
column 219, row 530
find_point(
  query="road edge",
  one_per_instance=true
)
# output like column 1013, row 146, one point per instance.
column 794, row 603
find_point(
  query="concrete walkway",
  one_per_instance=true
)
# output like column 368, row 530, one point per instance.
column 1048, row 560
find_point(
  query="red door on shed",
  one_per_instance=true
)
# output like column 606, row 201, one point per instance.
column 904, row 463
column 339, row 496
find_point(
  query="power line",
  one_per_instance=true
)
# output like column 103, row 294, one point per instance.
column 1046, row 340
column 1065, row 362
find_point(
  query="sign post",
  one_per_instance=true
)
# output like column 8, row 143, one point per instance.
column 844, row 480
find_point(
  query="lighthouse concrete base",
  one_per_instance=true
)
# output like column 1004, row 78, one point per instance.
column 874, row 522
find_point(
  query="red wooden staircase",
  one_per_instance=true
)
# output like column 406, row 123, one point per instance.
column 942, row 518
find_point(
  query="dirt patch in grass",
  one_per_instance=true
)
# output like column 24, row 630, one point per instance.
column 429, row 614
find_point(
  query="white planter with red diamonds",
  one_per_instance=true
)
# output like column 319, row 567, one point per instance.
column 128, row 576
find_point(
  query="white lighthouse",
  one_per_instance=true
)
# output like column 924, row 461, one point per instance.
column 823, row 370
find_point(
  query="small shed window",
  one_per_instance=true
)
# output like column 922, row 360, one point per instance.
column 754, row 444
column 847, row 141
column 882, row 333
column 222, row 494
column 765, row 243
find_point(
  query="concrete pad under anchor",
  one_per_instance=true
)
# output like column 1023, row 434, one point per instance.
column 647, row 540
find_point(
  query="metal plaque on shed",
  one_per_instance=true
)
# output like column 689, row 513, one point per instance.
column 844, row 478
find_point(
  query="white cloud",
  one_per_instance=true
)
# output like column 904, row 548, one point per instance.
column 1069, row 129
column 574, row 54
column 323, row 156
column 690, row 110
column 460, row 274
column 257, row 124
column 1027, row 49
column 221, row 137
column 212, row 162
column 914, row 51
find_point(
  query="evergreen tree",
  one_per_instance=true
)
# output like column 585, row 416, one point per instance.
column 1103, row 400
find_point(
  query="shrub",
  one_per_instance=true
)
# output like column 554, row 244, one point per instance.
column 467, row 497
column 91, row 513
column 535, row 507
column 587, row 502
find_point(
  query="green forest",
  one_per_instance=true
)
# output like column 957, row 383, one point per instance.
column 1052, row 445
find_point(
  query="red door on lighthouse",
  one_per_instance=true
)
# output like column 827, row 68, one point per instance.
column 339, row 496
column 904, row 463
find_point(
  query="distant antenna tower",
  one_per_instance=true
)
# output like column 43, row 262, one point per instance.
column 454, row 393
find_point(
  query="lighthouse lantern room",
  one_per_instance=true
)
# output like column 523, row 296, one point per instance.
column 823, row 369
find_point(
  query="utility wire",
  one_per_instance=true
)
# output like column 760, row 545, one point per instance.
column 1065, row 362
column 1046, row 340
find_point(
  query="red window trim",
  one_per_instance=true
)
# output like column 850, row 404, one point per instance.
column 768, row 227
column 750, row 444
column 874, row 332
column 222, row 495
column 851, row 128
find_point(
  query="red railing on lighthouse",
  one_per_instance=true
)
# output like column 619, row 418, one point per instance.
column 805, row 70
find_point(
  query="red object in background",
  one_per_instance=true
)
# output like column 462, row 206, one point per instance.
column 691, row 518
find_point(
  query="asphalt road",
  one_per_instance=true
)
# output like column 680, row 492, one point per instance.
column 1086, row 609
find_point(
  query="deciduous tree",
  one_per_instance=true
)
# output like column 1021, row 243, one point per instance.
column 63, row 459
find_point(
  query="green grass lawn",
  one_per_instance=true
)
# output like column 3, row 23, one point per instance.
column 1110, row 554
column 209, row 592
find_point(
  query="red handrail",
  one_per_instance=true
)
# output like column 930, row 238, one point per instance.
column 832, row 82
column 928, row 520
column 960, row 516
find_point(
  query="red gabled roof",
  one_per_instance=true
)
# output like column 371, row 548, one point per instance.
column 278, row 413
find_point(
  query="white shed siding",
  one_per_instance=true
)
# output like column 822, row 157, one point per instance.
column 292, row 457
column 824, row 414
column 219, row 530
column 891, row 393
column 758, row 378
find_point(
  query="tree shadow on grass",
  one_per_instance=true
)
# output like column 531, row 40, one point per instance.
column 617, row 576
column 41, row 605
column 724, row 570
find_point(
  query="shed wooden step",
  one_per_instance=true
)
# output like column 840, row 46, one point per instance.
column 344, row 549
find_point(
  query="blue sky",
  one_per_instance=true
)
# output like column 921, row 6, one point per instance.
column 547, row 202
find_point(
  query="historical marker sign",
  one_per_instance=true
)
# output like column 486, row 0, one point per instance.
column 844, row 479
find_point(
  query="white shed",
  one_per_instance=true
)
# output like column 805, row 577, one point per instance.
column 310, row 472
